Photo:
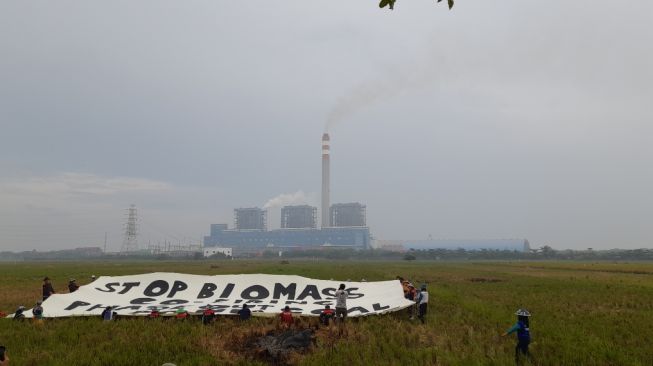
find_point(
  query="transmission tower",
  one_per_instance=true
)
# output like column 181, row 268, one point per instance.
column 130, row 242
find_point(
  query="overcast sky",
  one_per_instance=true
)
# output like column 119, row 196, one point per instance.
column 511, row 119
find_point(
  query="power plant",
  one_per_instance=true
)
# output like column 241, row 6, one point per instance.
column 343, row 225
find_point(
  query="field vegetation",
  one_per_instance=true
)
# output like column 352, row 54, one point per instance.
column 583, row 314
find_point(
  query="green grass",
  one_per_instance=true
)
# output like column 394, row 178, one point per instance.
column 583, row 314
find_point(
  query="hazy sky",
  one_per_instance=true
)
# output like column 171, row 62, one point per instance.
column 509, row 119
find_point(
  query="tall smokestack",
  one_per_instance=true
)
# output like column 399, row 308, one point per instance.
column 326, row 189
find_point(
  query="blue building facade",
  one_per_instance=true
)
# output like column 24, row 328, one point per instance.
column 256, row 241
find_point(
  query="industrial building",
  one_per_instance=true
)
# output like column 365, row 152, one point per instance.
column 258, row 241
column 343, row 225
column 252, row 218
column 347, row 214
column 298, row 217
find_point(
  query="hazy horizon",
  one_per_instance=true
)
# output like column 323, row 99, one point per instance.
column 504, row 120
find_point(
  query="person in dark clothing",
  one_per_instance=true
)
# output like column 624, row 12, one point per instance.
column 47, row 288
column 72, row 285
column 523, row 334
column 37, row 311
column 326, row 315
column 18, row 315
column 245, row 313
column 208, row 315
column 4, row 359
column 108, row 314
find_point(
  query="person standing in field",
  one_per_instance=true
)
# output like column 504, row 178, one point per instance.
column 423, row 301
column 245, row 313
column 523, row 334
column 47, row 288
column 341, row 303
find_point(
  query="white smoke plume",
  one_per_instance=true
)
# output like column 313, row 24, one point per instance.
column 287, row 199
column 394, row 82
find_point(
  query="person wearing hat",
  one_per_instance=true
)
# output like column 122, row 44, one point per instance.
column 181, row 314
column 37, row 311
column 523, row 334
column 423, row 303
column 47, row 288
column 72, row 285
column 18, row 315
column 245, row 313
column 208, row 315
column 286, row 317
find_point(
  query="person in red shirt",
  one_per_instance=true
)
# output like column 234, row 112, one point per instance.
column 181, row 314
column 326, row 315
column 286, row 317
column 208, row 315
column 154, row 313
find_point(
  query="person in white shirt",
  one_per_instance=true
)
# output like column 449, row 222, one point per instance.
column 423, row 301
column 341, row 303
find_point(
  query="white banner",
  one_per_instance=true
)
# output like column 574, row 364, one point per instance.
column 264, row 294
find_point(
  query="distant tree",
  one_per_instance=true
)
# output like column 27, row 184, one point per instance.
column 409, row 257
column 391, row 3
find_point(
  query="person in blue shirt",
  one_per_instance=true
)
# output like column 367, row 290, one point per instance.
column 523, row 334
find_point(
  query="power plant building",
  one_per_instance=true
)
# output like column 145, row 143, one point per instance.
column 252, row 218
column 347, row 215
column 258, row 241
column 342, row 225
column 298, row 217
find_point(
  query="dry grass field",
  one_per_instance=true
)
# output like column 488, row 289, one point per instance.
column 583, row 314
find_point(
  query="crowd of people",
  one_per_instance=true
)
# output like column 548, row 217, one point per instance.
column 420, row 298
column 327, row 316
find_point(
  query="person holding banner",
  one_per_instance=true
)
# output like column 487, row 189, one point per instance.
column 286, row 317
column 245, row 313
column 326, row 315
column 181, row 314
column 341, row 303
column 108, row 314
column 154, row 314
column 423, row 301
column 208, row 315
column 37, row 311
column 47, row 288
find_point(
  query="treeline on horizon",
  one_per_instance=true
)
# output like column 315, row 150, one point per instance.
column 544, row 253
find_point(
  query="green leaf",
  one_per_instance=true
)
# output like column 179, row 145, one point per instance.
column 450, row 4
column 384, row 3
